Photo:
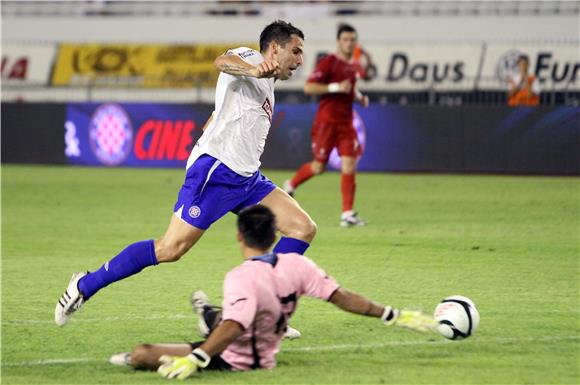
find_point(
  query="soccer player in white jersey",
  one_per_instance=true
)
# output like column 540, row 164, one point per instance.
column 260, row 296
column 222, row 172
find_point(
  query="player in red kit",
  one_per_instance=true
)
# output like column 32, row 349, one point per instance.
column 335, row 79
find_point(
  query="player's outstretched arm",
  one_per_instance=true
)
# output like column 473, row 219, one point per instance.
column 234, row 65
column 355, row 303
column 313, row 88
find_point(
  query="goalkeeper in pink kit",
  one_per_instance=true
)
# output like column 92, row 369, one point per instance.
column 260, row 296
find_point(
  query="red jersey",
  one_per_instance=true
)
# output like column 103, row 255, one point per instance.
column 335, row 107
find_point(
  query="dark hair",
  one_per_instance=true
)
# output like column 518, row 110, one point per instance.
column 343, row 27
column 257, row 225
column 280, row 32
column 523, row 57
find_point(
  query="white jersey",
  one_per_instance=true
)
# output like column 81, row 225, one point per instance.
column 243, row 114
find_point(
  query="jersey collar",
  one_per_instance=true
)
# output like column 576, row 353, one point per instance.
column 270, row 258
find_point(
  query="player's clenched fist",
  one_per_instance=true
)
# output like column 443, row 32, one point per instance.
column 267, row 69
column 345, row 86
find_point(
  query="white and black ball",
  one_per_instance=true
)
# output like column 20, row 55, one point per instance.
column 457, row 316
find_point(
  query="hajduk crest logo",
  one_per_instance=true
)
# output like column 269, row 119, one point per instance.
column 111, row 134
column 194, row 211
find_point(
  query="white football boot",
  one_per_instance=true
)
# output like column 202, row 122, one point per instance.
column 199, row 303
column 291, row 333
column 287, row 187
column 121, row 359
column 71, row 300
column 351, row 218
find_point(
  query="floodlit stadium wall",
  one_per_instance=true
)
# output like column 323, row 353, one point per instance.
column 436, row 79
column 169, row 59
column 482, row 139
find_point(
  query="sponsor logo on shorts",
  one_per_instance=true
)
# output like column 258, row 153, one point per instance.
column 111, row 134
column 194, row 211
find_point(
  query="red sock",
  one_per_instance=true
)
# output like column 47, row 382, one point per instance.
column 348, row 188
column 302, row 175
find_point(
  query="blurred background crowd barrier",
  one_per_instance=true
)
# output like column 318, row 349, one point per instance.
column 436, row 73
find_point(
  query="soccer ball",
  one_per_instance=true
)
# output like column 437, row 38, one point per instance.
column 457, row 316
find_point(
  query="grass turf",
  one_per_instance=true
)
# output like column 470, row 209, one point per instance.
column 509, row 243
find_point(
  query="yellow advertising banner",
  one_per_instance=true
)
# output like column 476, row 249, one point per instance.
column 141, row 65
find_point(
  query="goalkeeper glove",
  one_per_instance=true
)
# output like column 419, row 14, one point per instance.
column 183, row 367
column 409, row 319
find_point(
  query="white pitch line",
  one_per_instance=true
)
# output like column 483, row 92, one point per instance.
column 437, row 342
column 17, row 322
column 51, row 361
column 325, row 348
column 94, row 320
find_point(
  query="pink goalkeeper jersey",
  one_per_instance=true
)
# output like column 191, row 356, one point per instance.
column 261, row 295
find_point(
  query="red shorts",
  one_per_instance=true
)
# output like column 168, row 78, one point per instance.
column 326, row 136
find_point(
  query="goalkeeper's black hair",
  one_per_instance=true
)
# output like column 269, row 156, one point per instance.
column 257, row 225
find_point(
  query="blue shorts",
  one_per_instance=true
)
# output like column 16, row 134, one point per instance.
column 211, row 190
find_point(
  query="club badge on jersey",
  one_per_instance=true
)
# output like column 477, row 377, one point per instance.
column 267, row 106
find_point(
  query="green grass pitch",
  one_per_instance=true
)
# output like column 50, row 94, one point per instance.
column 509, row 243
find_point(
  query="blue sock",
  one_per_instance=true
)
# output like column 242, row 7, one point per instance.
column 291, row 245
column 130, row 261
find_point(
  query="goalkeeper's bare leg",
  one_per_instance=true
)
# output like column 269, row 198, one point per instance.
column 146, row 356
